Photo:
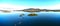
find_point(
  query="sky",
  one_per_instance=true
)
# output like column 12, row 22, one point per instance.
column 23, row 4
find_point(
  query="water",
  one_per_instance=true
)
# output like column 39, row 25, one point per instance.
column 43, row 19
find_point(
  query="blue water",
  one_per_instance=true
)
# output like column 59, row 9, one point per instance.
column 43, row 19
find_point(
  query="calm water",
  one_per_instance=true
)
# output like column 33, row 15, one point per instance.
column 43, row 19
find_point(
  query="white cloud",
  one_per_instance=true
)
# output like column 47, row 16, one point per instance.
column 57, row 6
column 11, row 7
column 15, row 7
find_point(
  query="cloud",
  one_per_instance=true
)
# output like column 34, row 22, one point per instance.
column 11, row 7
column 20, row 7
column 57, row 6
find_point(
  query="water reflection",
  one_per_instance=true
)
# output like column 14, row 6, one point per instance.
column 43, row 18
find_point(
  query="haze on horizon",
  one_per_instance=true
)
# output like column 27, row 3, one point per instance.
column 23, row 4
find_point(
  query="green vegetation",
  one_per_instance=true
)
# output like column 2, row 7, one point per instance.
column 32, row 14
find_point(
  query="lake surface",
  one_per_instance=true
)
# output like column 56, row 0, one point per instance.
column 43, row 19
